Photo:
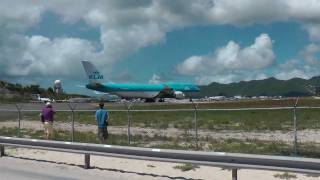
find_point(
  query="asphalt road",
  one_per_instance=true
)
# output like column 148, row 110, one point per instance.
column 77, row 106
column 57, row 106
column 17, row 168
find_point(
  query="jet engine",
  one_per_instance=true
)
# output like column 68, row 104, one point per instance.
column 179, row 95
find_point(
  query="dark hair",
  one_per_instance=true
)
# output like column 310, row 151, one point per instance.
column 101, row 105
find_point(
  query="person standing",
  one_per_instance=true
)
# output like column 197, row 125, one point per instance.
column 47, row 120
column 102, row 117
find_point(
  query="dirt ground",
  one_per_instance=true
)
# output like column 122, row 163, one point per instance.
column 304, row 136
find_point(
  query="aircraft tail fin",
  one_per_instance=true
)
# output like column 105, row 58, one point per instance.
column 92, row 72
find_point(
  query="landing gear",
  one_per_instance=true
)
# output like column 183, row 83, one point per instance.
column 161, row 100
column 150, row 100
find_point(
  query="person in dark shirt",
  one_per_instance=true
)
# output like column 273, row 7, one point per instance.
column 47, row 115
column 102, row 122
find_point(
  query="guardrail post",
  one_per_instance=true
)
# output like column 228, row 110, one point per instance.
column 1, row 150
column 234, row 174
column 72, row 108
column 195, row 106
column 86, row 161
column 19, row 119
column 295, row 141
column 128, row 106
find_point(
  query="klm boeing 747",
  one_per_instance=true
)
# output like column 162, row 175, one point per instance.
column 145, row 91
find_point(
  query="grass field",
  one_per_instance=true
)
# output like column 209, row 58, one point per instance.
column 249, row 120
column 229, row 104
column 243, row 120
column 229, row 145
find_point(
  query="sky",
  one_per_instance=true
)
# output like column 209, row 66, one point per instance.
column 155, row 41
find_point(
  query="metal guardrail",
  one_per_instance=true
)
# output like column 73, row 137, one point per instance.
column 233, row 161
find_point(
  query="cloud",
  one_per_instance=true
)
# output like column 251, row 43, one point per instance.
column 313, row 30
column 193, row 65
column 164, row 77
column 230, row 60
column 257, row 56
column 125, row 27
column 293, row 73
column 306, row 67
column 309, row 54
column 155, row 79
column 118, row 43
column 226, row 78
column 123, row 77
column 292, row 69
column 40, row 56
column 19, row 15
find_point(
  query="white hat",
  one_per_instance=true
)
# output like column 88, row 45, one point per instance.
column 48, row 104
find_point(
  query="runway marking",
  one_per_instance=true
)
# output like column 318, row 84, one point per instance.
column 34, row 140
column 156, row 150
column 108, row 146
column 67, row 142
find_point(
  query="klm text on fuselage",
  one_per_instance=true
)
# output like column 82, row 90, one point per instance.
column 95, row 75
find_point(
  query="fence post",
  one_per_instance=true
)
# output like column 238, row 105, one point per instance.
column 195, row 106
column 19, row 119
column 295, row 141
column 128, row 106
column 72, row 108
column 1, row 150
column 86, row 161
column 234, row 174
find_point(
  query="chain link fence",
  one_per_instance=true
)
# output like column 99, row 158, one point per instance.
column 284, row 130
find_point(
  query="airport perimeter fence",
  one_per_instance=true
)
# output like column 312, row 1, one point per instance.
column 247, row 130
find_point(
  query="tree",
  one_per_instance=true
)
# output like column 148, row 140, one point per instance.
column 50, row 91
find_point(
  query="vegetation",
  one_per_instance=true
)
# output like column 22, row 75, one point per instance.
column 288, row 102
column 267, row 87
column 19, row 93
column 285, row 176
column 182, row 143
column 186, row 167
column 243, row 120
column 18, row 88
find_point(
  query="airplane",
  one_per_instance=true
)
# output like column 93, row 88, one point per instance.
column 43, row 99
column 149, row 92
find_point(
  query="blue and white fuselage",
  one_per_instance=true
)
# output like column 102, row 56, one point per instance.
column 145, row 91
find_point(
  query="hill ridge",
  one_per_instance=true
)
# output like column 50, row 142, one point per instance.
column 266, row 87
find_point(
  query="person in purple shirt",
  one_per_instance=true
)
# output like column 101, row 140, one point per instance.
column 47, row 115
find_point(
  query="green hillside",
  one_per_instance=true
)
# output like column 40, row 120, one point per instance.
column 266, row 87
column 10, row 92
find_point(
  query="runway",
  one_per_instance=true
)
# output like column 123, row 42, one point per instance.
column 57, row 106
